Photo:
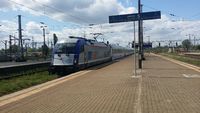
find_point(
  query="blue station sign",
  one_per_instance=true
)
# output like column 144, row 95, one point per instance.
column 135, row 17
column 145, row 45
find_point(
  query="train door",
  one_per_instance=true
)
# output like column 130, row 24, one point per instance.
column 85, row 55
column 76, row 54
column 79, row 53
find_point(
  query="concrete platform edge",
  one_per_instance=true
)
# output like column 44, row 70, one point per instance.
column 190, row 66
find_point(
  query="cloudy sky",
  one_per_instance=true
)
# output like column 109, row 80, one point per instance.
column 180, row 19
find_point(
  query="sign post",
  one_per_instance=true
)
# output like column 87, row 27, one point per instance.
column 140, row 16
column 135, row 73
column 140, row 35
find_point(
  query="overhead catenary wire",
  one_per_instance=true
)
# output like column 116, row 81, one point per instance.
column 35, row 11
column 22, row 5
column 50, row 7
column 53, row 9
column 61, row 11
column 169, row 13
column 46, row 14
column 58, row 10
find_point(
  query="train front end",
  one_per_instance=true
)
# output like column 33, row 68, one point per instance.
column 64, row 56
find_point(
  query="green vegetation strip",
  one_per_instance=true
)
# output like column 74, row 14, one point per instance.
column 192, row 61
column 18, row 83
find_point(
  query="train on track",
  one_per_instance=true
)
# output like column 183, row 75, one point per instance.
column 76, row 53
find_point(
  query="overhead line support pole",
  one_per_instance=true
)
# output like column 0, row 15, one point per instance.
column 20, row 37
column 139, row 35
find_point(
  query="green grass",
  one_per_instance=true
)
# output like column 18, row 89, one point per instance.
column 18, row 83
column 192, row 61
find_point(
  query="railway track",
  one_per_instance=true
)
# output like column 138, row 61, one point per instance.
column 22, row 69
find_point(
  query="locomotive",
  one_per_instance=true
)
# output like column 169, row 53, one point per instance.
column 76, row 53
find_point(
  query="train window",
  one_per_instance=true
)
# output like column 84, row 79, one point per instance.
column 70, row 48
column 67, row 48
column 58, row 48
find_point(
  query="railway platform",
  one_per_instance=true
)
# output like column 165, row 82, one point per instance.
column 161, row 87
column 14, row 64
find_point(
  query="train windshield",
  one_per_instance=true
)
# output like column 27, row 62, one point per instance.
column 67, row 48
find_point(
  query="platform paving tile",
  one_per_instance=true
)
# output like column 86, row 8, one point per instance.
column 166, row 90
column 107, row 90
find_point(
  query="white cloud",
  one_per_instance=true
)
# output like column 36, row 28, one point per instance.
column 84, row 11
column 33, row 28
column 128, row 10
column 7, row 28
column 4, row 5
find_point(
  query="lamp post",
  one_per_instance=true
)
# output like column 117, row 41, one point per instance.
column 43, row 26
column 48, row 38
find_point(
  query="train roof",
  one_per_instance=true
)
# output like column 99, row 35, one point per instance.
column 96, row 43
column 68, row 40
column 91, row 42
column 116, row 46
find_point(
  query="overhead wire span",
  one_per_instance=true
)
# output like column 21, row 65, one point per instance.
column 169, row 13
column 61, row 11
column 40, row 13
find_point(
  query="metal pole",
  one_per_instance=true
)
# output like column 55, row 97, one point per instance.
column 48, row 41
column 135, row 73
column 139, row 35
column 142, row 38
column 44, row 35
column 20, row 37
column 26, row 45
column 43, row 29
column 6, row 47
column 32, row 44
column 10, row 44
column 51, row 45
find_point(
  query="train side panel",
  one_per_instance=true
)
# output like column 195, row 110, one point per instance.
column 96, row 55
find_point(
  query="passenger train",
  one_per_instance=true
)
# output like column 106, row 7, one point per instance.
column 76, row 53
